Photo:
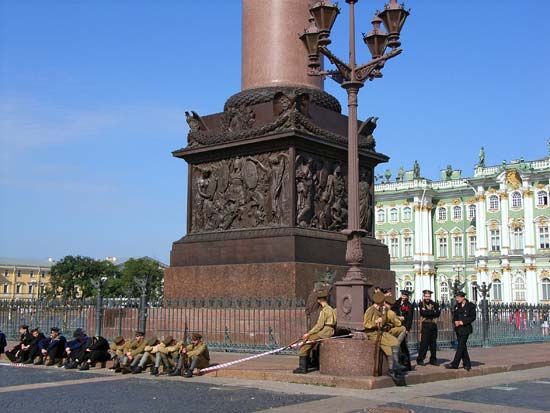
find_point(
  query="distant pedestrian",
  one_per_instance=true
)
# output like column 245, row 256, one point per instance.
column 545, row 324
column 464, row 314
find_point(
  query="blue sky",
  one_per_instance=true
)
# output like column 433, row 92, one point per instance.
column 93, row 94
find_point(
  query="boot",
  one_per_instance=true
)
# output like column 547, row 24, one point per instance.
column 154, row 371
column 38, row 361
column 10, row 356
column 188, row 374
column 314, row 360
column 302, row 366
column 177, row 370
column 395, row 357
column 84, row 367
column 137, row 370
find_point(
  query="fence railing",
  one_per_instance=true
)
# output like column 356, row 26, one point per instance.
column 247, row 324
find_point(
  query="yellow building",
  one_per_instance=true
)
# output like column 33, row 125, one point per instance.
column 24, row 279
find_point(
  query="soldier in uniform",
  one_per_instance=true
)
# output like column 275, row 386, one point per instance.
column 195, row 355
column 464, row 314
column 134, row 350
column 53, row 348
column 117, row 350
column 324, row 328
column 429, row 313
column 404, row 311
column 32, row 351
column 97, row 351
column 74, row 349
column 148, row 357
column 14, row 355
column 379, row 320
column 167, row 354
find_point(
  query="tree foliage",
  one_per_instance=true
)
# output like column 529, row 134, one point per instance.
column 126, row 284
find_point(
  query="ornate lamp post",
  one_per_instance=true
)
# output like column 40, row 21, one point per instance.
column 484, row 291
column 143, row 284
column 457, row 286
column 352, row 77
column 98, row 285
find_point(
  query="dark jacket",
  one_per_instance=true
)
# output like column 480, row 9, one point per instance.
column 49, row 344
column 36, row 340
column 404, row 309
column 429, row 311
column 78, row 343
column 25, row 338
column 467, row 314
column 99, row 344
column 3, row 342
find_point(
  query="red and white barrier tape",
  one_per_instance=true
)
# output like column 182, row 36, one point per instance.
column 255, row 356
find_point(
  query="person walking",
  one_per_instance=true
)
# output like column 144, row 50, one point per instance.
column 464, row 314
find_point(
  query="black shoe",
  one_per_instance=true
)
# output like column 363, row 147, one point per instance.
column 434, row 363
column 467, row 368
column 154, row 371
column 175, row 372
column 84, row 367
column 451, row 366
column 302, row 366
column 188, row 374
column 137, row 370
column 420, row 363
column 118, row 370
column 11, row 357
column 126, row 370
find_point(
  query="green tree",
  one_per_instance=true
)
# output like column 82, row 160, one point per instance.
column 71, row 277
column 127, row 282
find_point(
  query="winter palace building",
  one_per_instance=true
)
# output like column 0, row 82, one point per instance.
column 491, row 227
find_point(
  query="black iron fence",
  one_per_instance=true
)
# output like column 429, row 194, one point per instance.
column 247, row 324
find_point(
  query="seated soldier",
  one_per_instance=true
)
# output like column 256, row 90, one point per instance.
column 24, row 339
column 74, row 351
column 96, row 352
column 53, row 348
column 193, row 357
column 167, row 354
column 377, row 324
column 3, row 343
column 134, row 350
column 32, row 351
column 394, row 325
column 117, row 350
column 324, row 328
column 148, row 356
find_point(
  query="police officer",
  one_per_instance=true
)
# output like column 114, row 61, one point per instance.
column 429, row 313
column 324, row 328
column 404, row 311
column 464, row 314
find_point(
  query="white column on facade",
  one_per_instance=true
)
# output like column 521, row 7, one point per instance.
column 481, row 223
column 504, row 217
column 506, row 281
column 529, row 229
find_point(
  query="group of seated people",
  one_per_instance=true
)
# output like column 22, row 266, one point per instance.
column 129, row 356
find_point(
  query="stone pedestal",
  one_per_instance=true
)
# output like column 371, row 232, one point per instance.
column 349, row 357
column 351, row 301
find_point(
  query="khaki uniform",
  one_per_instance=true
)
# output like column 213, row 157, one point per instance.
column 118, row 350
column 171, row 351
column 389, row 338
column 200, row 352
column 136, row 348
column 324, row 328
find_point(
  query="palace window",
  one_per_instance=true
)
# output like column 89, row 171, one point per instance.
column 497, row 290
column 519, row 288
column 495, row 240
column 18, row 274
column 394, row 247
column 472, row 245
column 444, row 291
column 30, row 288
column 18, row 289
column 407, row 247
column 472, row 212
column 457, row 245
column 545, row 282
column 42, row 274
column 493, row 203
column 457, row 212
column 516, row 200
column 6, row 288
column 544, row 237
column 542, row 198
column 42, row 289
column 442, row 250
column 442, row 214
column 6, row 273
column 393, row 215
column 381, row 215
column 517, row 239
column 408, row 286
column 31, row 274
column 407, row 214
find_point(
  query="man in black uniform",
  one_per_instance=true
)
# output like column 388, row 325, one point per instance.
column 33, row 351
column 16, row 353
column 404, row 311
column 429, row 313
column 464, row 314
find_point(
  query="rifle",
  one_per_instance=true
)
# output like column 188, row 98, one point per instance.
column 377, row 366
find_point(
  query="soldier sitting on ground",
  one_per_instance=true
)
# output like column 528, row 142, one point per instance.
column 14, row 355
column 134, row 350
column 96, row 352
column 193, row 357
column 148, row 356
column 74, row 351
column 167, row 354
column 52, row 349
column 324, row 328
column 378, row 322
column 32, row 351
column 117, row 350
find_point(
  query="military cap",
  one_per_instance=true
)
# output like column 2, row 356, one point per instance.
column 118, row 340
column 405, row 292
column 379, row 297
column 24, row 327
column 78, row 332
column 389, row 299
column 140, row 333
column 427, row 292
column 55, row 329
column 167, row 340
column 152, row 341
column 196, row 336
column 460, row 294
column 322, row 293
column 385, row 290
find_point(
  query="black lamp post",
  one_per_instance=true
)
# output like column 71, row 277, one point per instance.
column 484, row 291
column 98, row 285
column 143, row 284
column 352, row 77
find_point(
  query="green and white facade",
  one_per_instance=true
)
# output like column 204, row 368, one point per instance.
column 491, row 227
